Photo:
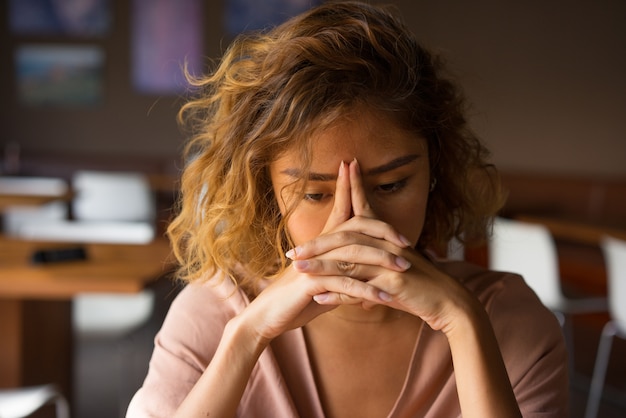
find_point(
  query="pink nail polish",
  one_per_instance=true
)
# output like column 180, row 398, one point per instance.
column 403, row 263
column 356, row 165
column 404, row 240
column 293, row 253
column 302, row 265
column 384, row 296
column 321, row 297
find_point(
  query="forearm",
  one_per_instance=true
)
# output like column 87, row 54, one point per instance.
column 483, row 385
column 219, row 390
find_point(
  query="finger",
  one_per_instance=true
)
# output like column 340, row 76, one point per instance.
column 375, row 228
column 360, row 205
column 330, row 298
column 364, row 263
column 363, row 231
column 346, row 289
column 367, row 305
column 342, row 205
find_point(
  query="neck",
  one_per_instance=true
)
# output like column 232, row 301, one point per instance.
column 378, row 314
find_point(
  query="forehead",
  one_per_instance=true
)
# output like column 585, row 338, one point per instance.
column 367, row 136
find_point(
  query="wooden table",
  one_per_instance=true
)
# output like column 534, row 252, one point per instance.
column 35, row 302
column 577, row 232
column 8, row 200
column 32, row 191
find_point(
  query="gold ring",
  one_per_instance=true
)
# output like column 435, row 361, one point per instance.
column 345, row 266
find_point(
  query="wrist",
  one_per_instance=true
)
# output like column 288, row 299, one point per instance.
column 467, row 317
column 245, row 336
column 471, row 331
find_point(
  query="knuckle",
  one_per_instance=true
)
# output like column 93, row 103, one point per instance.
column 395, row 281
column 347, row 285
column 342, row 236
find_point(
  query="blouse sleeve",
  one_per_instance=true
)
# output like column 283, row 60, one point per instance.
column 183, row 348
column 533, row 348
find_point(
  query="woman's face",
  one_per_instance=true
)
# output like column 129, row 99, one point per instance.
column 394, row 166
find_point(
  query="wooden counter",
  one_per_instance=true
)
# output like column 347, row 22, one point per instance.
column 35, row 302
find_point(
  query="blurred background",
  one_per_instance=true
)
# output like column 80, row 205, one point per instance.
column 96, row 85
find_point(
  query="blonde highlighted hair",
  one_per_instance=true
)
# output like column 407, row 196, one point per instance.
column 272, row 91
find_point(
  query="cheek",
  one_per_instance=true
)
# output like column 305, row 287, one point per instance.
column 408, row 219
column 411, row 225
column 305, row 225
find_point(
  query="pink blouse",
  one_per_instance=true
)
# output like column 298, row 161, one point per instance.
column 529, row 335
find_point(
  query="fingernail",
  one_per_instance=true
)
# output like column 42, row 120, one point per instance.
column 403, row 263
column 301, row 264
column 322, row 297
column 404, row 240
column 293, row 253
column 356, row 166
column 384, row 296
column 341, row 169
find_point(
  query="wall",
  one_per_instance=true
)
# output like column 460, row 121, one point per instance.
column 126, row 124
column 546, row 80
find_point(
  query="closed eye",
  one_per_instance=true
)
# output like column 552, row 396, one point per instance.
column 315, row 197
column 391, row 187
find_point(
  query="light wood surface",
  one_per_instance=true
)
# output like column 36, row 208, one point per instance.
column 575, row 231
column 8, row 200
column 108, row 268
column 36, row 340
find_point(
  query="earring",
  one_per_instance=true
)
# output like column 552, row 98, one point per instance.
column 433, row 183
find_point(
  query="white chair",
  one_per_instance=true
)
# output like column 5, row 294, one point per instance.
column 126, row 199
column 108, row 207
column 112, row 196
column 614, row 251
column 23, row 402
column 50, row 189
column 17, row 218
column 529, row 250
column 455, row 250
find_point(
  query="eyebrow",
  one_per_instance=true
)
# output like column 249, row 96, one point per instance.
column 389, row 166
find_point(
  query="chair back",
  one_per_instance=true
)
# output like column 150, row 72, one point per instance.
column 112, row 196
column 614, row 251
column 123, row 203
column 529, row 250
column 111, row 314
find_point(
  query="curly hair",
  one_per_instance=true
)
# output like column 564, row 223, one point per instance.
column 272, row 91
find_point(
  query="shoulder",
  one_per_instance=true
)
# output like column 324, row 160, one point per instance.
column 513, row 307
column 499, row 292
column 186, row 343
column 529, row 335
column 201, row 311
column 217, row 296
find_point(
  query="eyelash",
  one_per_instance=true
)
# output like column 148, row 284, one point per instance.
column 392, row 187
column 314, row 197
column 387, row 188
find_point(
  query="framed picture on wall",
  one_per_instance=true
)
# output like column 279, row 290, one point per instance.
column 59, row 75
column 82, row 18
column 166, row 35
column 251, row 15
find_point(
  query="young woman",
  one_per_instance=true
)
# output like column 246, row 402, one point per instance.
column 329, row 157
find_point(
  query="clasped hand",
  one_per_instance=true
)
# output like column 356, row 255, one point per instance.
column 357, row 259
